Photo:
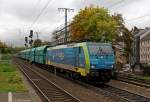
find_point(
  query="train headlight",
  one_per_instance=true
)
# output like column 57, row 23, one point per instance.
column 102, row 57
column 92, row 66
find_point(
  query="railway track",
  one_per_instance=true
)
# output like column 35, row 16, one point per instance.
column 50, row 91
column 118, row 95
column 125, row 78
column 114, row 93
column 127, row 96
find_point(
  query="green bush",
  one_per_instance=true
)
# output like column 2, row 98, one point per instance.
column 6, row 67
column 6, row 56
column 14, row 79
column 8, row 70
column 10, row 79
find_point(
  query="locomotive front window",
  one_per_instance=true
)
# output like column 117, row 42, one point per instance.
column 100, row 49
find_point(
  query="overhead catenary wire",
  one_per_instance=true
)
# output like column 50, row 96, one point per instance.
column 47, row 27
column 110, row 6
column 136, row 18
column 132, row 19
column 34, row 7
column 41, row 12
column 115, row 4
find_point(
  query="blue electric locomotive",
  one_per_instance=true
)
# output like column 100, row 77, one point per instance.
column 92, row 61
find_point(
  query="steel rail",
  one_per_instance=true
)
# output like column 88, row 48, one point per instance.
column 73, row 98
column 114, row 93
column 134, row 81
column 32, row 82
column 132, row 97
column 93, row 88
column 110, row 91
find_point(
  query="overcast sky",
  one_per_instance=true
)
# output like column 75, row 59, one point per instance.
column 17, row 16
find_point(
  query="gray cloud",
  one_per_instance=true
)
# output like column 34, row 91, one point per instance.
column 18, row 15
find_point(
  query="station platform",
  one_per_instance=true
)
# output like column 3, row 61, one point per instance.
column 15, row 97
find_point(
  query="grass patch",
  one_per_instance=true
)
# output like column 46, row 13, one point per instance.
column 6, row 57
column 6, row 66
column 146, row 78
column 140, row 78
column 10, row 78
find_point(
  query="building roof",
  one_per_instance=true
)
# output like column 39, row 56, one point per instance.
column 144, row 34
column 141, row 32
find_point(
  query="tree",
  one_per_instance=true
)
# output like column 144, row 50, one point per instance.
column 37, row 43
column 93, row 24
column 45, row 43
column 2, row 45
column 96, row 24
column 126, row 37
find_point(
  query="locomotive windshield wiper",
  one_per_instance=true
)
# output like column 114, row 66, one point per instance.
column 100, row 51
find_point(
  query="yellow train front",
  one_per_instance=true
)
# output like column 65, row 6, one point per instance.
column 91, row 61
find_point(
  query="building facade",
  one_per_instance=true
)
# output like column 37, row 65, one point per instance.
column 145, row 47
column 141, row 47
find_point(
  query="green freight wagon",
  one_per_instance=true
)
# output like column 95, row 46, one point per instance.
column 40, row 54
column 27, row 54
column 32, row 54
column 22, row 54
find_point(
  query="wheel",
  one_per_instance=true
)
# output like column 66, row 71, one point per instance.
column 76, row 76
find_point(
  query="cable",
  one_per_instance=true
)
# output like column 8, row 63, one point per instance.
column 36, row 19
column 47, row 26
column 136, row 18
column 34, row 7
column 111, row 6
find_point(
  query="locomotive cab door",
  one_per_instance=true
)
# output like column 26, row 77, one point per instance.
column 76, row 56
column 79, row 57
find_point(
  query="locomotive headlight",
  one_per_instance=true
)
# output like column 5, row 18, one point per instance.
column 112, row 66
column 102, row 57
column 92, row 66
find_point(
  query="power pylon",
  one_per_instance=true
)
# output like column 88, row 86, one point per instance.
column 66, row 10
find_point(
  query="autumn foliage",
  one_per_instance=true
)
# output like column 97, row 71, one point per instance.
column 2, row 45
column 93, row 24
